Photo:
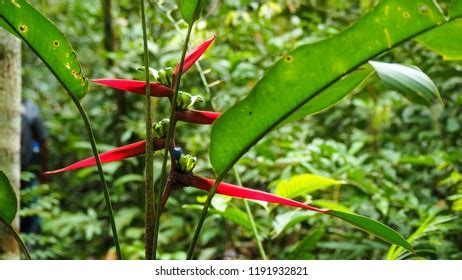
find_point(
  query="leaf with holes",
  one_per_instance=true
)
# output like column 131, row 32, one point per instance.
column 48, row 42
column 373, row 227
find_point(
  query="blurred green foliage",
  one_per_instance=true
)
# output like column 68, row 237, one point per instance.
column 401, row 162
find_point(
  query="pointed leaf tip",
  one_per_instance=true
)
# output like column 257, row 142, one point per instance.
column 409, row 81
column 194, row 55
column 373, row 227
column 135, row 86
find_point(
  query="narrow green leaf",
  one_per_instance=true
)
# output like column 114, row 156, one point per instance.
column 191, row 9
column 48, row 42
column 409, row 81
column 303, row 184
column 328, row 204
column 8, row 200
column 288, row 220
column 373, row 227
column 309, row 70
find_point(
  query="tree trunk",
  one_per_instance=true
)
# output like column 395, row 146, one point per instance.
column 10, row 122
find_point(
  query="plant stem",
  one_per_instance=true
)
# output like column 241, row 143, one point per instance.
column 149, row 172
column 18, row 239
column 170, row 133
column 252, row 221
column 107, row 196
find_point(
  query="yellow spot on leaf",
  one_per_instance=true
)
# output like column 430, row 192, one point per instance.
column 55, row 43
column 406, row 15
column 15, row 3
column 388, row 38
column 289, row 58
column 23, row 28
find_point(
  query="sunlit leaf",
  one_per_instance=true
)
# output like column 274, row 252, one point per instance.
column 48, row 42
column 373, row 227
column 408, row 80
column 328, row 204
column 8, row 200
column 303, row 184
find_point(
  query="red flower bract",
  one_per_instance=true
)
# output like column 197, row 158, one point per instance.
column 131, row 150
column 245, row 193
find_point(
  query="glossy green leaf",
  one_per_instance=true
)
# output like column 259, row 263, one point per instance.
column 373, row 227
column 48, row 42
column 306, row 72
column 191, row 9
column 408, row 80
column 8, row 200
column 456, row 9
column 328, row 204
column 303, row 184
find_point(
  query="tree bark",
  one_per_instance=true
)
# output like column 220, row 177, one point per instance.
column 10, row 130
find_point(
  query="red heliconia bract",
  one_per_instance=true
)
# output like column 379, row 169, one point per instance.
column 246, row 193
column 157, row 89
column 194, row 55
column 197, row 117
column 120, row 153
column 135, row 86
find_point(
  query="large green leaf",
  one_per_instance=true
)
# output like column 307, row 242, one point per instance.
column 8, row 200
column 236, row 216
column 303, row 184
column 48, row 42
column 408, row 80
column 373, row 227
column 309, row 70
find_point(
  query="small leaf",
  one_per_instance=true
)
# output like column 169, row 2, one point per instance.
column 303, row 184
column 191, row 9
column 8, row 200
column 48, row 42
column 408, row 80
column 373, row 227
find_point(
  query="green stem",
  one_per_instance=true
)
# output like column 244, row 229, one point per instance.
column 149, row 172
column 170, row 133
column 18, row 239
column 252, row 221
column 204, row 212
column 107, row 196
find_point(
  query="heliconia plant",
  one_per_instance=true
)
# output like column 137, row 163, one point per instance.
column 312, row 77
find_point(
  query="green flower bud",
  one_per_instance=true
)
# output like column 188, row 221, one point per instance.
column 186, row 163
column 185, row 100
column 160, row 128
column 165, row 76
column 153, row 72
